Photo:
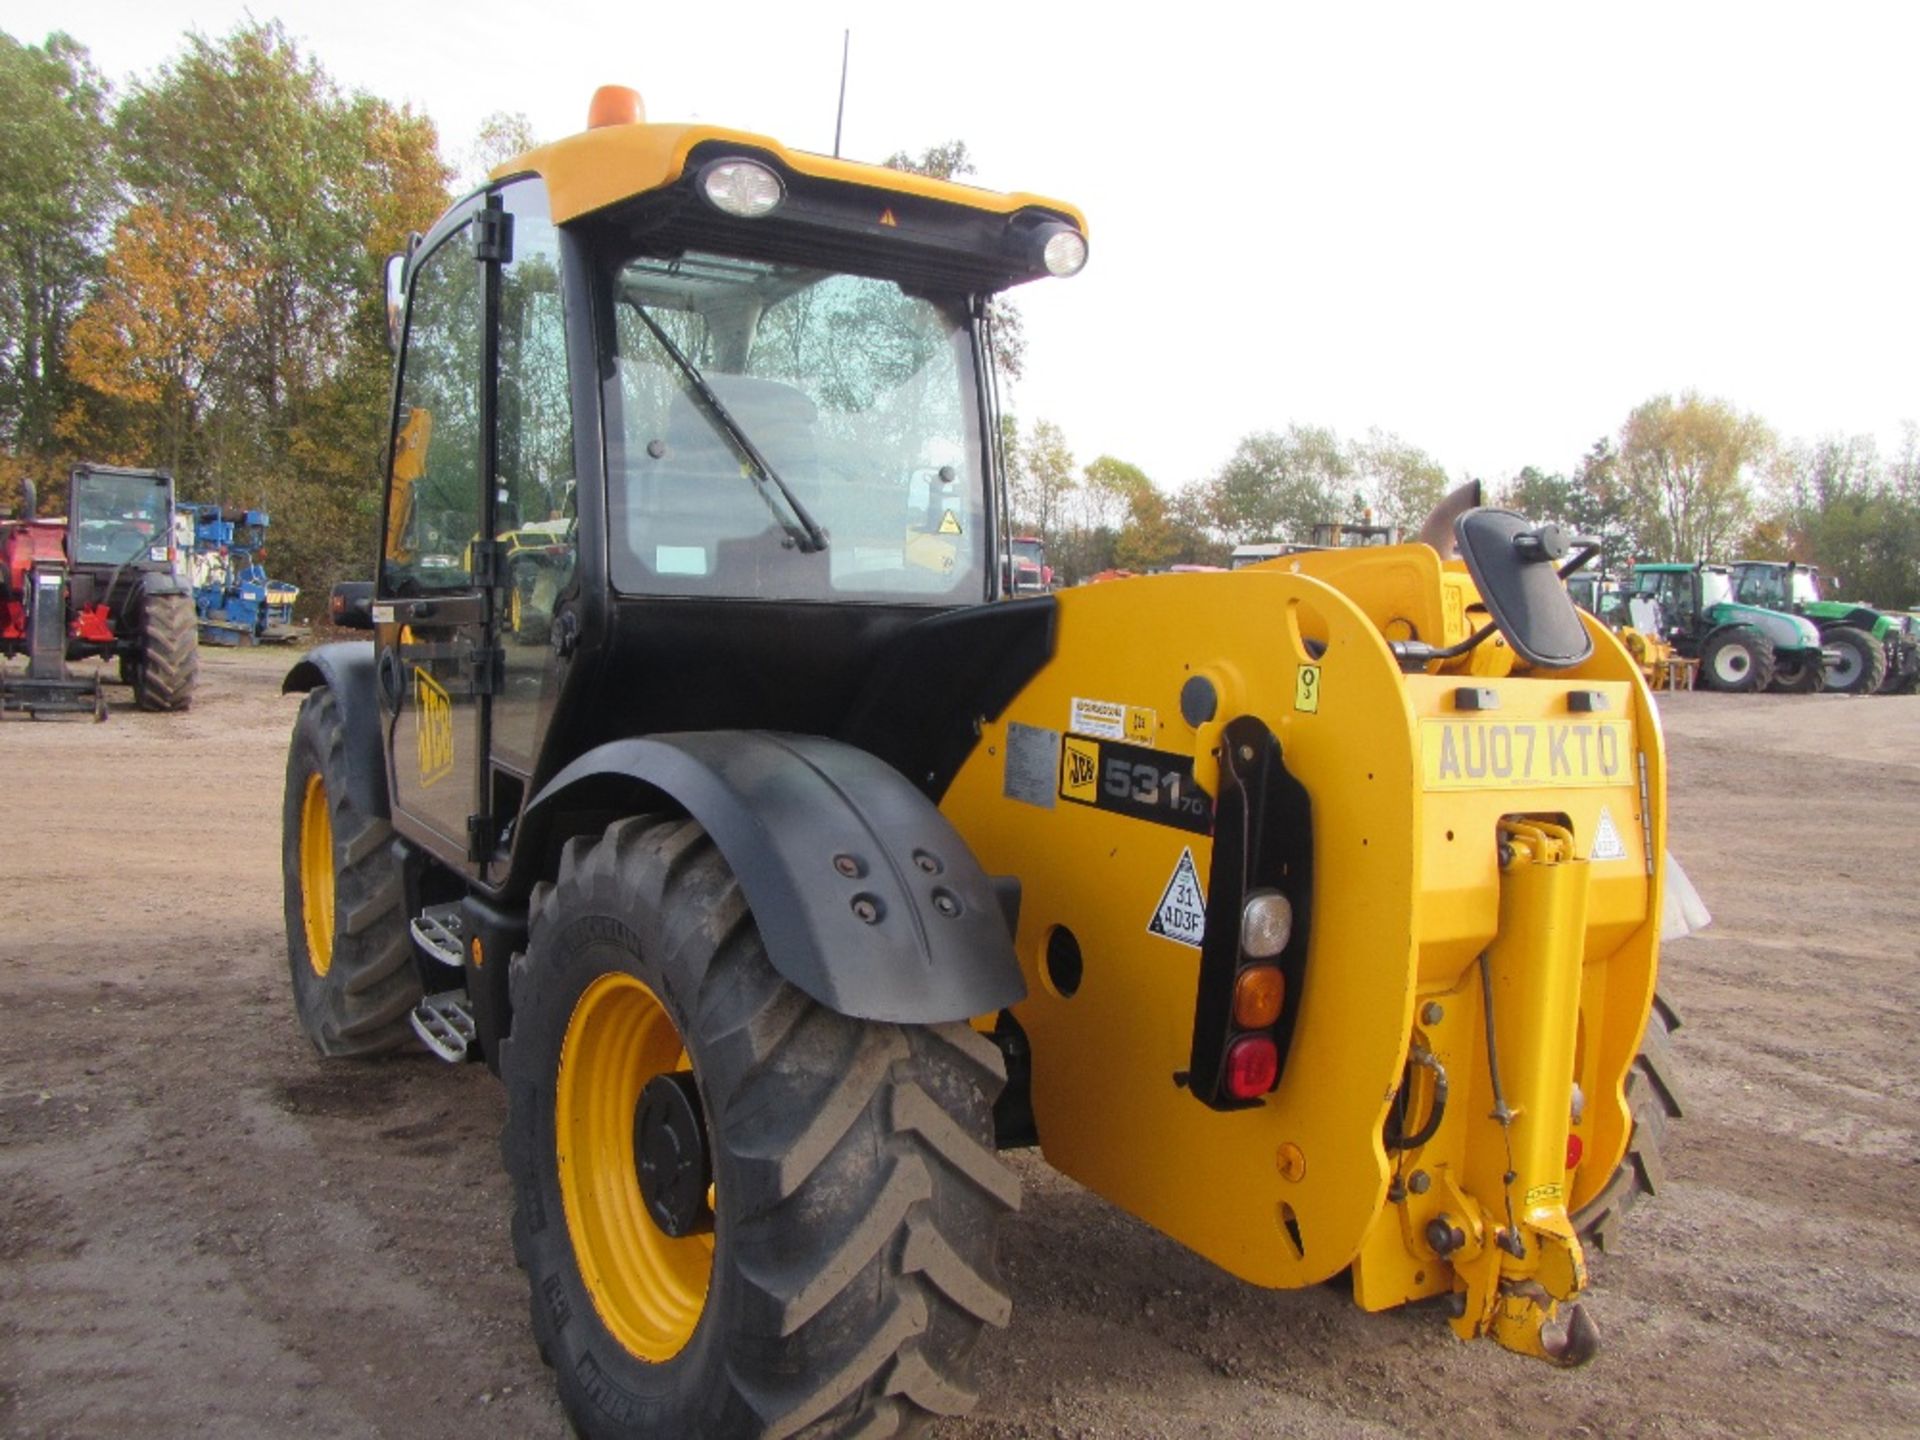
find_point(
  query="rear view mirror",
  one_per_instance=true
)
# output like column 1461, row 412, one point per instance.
column 396, row 299
column 1515, row 566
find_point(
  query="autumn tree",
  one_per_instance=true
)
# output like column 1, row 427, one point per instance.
column 155, row 334
column 57, row 202
column 1685, row 465
column 502, row 135
column 1399, row 482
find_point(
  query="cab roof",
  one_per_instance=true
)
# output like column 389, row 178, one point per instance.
column 610, row 163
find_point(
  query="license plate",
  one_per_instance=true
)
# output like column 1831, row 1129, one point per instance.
column 1522, row 754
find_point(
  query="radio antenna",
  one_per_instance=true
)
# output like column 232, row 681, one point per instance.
column 846, row 42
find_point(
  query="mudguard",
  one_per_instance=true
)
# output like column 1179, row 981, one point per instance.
column 865, row 896
column 346, row 667
column 160, row 582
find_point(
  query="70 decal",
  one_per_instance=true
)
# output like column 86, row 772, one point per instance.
column 1132, row 780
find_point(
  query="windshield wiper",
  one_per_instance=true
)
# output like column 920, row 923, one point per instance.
column 807, row 534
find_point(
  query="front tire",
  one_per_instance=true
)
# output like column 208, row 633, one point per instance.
column 351, row 957
column 1856, row 662
column 1738, row 660
column 166, row 662
column 1653, row 1098
column 842, row 1265
column 1797, row 676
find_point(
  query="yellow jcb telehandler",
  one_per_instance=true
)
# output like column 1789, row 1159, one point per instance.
column 1308, row 913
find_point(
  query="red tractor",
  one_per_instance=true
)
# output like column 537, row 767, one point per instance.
column 102, row 581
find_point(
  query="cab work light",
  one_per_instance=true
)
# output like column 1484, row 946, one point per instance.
column 1065, row 252
column 742, row 188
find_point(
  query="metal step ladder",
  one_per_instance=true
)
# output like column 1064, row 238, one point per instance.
column 438, row 931
column 445, row 1025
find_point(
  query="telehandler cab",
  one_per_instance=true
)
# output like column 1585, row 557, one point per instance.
column 1309, row 913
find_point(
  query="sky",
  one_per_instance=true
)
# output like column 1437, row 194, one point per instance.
column 1490, row 229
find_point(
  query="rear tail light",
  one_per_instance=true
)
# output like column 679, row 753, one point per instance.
column 1253, row 1064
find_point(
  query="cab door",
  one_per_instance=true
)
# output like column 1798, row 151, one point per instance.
column 435, row 657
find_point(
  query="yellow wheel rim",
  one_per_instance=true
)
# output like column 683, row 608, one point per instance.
column 316, row 874
column 648, row 1287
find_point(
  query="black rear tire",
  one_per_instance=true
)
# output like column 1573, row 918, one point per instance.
column 1653, row 1097
column 166, row 660
column 1859, row 662
column 1738, row 660
column 355, row 982
column 855, row 1191
column 1795, row 676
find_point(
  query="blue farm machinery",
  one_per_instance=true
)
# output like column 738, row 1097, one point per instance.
column 235, row 601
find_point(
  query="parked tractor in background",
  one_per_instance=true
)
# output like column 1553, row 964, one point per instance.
column 100, row 582
column 1028, row 570
column 1868, row 651
column 808, row 864
column 233, row 597
column 1741, row 648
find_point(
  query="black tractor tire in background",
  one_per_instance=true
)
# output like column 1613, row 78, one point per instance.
column 1737, row 659
column 166, row 656
column 354, row 1000
column 856, row 1194
column 1860, row 663
column 1794, row 675
column 1653, row 1097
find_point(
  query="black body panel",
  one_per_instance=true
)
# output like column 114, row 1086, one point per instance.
column 347, row 667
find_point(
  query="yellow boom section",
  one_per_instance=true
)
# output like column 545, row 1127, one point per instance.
column 1513, row 817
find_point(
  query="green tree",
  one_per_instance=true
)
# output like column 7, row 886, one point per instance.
column 1279, row 486
column 1684, row 464
column 1401, row 482
column 57, row 204
column 501, row 136
column 1006, row 329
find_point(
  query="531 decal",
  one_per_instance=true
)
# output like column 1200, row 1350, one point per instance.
column 1133, row 780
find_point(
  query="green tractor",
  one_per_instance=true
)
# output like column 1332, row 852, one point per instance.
column 1741, row 647
column 1867, row 651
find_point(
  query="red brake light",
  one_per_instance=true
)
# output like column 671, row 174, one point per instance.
column 1253, row 1064
column 1575, row 1149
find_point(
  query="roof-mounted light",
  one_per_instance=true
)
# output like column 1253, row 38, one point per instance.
column 615, row 105
column 743, row 188
column 1065, row 252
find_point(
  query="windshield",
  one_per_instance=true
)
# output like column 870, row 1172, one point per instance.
column 119, row 518
column 755, row 410
column 1806, row 586
column 1716, row 587
column 1762, row 585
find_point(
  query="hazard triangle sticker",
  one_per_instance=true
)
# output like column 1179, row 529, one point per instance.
column 1606, row 839
column 1182, row 912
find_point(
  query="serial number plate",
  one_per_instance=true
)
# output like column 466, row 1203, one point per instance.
column 1517, row 754
column 1132, row 780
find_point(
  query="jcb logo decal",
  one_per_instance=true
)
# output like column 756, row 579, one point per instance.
column 434, row 708
column 1080, row 770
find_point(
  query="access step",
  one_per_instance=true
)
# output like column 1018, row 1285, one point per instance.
column 445, row 1025
column 438, row 932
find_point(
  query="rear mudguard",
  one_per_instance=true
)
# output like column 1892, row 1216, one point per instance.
column 346, row 667
column 865, row 896
column 1084, row 788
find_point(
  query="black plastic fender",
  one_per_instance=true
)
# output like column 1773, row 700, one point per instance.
column 162, row 582
column 865, row 895
column 346, row 667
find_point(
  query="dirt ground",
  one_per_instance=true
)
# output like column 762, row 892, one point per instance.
column 206, row 1231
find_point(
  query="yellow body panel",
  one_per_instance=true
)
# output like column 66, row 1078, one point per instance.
column 1409, row 892
column 598, row 168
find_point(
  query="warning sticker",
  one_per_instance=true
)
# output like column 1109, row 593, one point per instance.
column 1182, row 912
column 1606, row 839
column 1099, row 717
column 1142, row 724
column 949, row 523
column 1080, row 771
column 1306, row 688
